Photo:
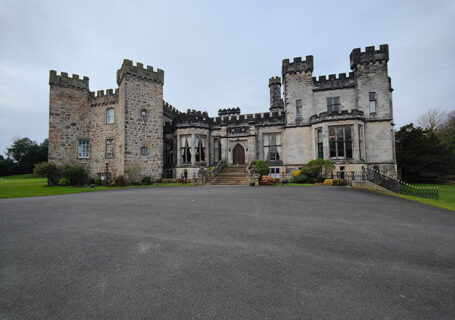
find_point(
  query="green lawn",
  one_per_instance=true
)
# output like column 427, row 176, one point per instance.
column 446, row 196
column 28, row 185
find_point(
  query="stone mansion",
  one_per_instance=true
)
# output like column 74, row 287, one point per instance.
column 345, row 118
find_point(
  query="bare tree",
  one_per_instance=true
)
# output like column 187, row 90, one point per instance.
column 432, row 119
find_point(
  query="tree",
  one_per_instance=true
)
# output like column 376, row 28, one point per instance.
column 420, row 154
column 432, row 119
column 26, row 153
column 48, row 170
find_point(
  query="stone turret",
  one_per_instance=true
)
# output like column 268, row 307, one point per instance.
column 276, row 103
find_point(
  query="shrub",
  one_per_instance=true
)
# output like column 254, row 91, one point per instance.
column 146, row 180
column 98, row 182
column 267, row 180
column 311, row 172
column 63, row 182
column 328, row 182
column 296, row 173
column 49, row 170
column 75, row 174
column 91, row 181
column 339, row 182
column 302, row 178
column 119, row 181
column 325, row 166
column 262, row 167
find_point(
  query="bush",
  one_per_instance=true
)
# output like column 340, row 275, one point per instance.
column 49, row 170
column 339, row 182
column 267, row 180
column 262, row 167
column 302, row 178
column 98, row 182
column 146, row 180
column 120, row 181
column 63, row 182
column 296, row 173
column 325, row 167
column 75, row 174
column 91, row 181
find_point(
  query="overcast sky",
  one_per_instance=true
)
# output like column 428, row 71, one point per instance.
column 217, row 54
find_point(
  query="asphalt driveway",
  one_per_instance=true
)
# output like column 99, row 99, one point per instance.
column 226, row 253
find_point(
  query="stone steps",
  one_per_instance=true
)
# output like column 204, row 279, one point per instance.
column 231, row 176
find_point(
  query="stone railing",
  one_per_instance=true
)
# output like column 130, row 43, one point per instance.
column 214, row 172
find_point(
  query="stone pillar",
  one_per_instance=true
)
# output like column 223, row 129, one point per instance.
column 193, row 149
column 178, row 150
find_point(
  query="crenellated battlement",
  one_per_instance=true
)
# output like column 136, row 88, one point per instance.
column 63, row 80
column 342, row 115
column 101, row 98
column 275, row 80
column 139, row 72
column 370, row 55
column 334, row 82
column 298, row 65
column 229, row 111
column 169, row 111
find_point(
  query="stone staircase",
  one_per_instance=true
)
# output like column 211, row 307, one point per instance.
column 231, row 176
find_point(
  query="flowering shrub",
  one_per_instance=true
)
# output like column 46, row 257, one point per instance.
column 295, row 173
column 267, row 181
column 328, row 182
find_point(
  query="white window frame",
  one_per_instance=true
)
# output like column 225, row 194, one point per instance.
column 372, row 98
column 83, row 149
column 110, row 143
column 110, row 116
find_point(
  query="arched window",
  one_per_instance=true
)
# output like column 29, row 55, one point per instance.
column 185, row 148
column 200, row 149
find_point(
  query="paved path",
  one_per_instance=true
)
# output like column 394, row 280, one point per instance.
column 226, row 253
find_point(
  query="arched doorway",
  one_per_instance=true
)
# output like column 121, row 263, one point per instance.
column 238, row 155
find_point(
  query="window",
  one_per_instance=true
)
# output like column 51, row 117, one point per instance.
column 200, row 149
column 109, row 148
column 340, row 142
column 144, row 151
column 272, row 146
column 83, row 150
column 144, row 112
column 169, row 152
column 217, row 150
column 185, row 148
column 298, row 110
column 360, row 141
column 372, row 102
column 333, row 105
column 319, row 143
column 110, row 115
column 275, row 172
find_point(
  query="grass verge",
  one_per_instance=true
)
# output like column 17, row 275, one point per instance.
column 446, row 196
column 28, row 185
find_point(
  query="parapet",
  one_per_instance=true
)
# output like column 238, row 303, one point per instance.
column 138, row 71
column 297, row 65
column 170, row 111
column 66, row 82
column 229, row 112
column 334, row 82
column 274, row 80
column 102, row 98
column 342, row 115
column 369, row 56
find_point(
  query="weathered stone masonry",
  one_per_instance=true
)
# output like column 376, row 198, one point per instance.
column 132, row 131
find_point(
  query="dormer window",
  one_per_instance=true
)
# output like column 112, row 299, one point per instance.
column 333, row 105
column 110, row 115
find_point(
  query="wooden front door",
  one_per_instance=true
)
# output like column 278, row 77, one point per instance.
column 238, row 155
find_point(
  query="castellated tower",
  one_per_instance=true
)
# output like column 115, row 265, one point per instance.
column 141, row 101
column 68, row 115
column 298, row 87
column 276, row 103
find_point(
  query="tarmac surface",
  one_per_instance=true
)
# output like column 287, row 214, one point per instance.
column 226, row 253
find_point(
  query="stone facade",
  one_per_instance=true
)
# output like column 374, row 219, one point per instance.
column 132, row 131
